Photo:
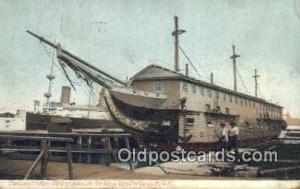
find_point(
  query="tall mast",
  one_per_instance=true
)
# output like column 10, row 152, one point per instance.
column 233, row 57
column 50, row 77
column 176, row 34
column 255, row 78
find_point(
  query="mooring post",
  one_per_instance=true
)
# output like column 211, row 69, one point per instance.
column 89, row 156
column 44, row 160
column 9, row 142
column 69, row 157
column 108, row 149
column 128, row 147
column 79, row 142
column 116, row 145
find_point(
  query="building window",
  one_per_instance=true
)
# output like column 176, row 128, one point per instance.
column 159, row 86
column 209, row 93
column 209, row 124
column 207, row 108
column 194, row 89
column 202, row 91
column 227, row 111
column 247, row 123
column 236, row 100
column 224, row 97
column 218, row 108
column 166, row 123
column 230, row 98
column 189, row 122
column 217, row 94
column 185, row 87
column 246, row 103
column 241, row 101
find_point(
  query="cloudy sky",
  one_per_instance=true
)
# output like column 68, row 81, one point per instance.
column 123, row 36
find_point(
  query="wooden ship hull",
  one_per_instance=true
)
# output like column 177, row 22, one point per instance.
column 147, row 126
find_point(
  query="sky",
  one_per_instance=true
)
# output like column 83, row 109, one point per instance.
column 121, row 37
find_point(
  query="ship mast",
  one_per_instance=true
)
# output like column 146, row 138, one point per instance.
column 176, row 34
column 233, row 57
column 255, row 78
column 50, row 77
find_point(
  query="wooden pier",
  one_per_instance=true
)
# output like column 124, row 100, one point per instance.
column 81, row 146
column 43, row 155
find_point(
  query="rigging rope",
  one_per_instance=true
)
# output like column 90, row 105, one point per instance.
column 242, row 81
column 189, row 60
column 62, row 69
column 51, row 57
column 208, row 79
column 259, row 91
column 80, row 79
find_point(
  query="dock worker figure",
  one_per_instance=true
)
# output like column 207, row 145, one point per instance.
column 223, row 139
column 233, row 137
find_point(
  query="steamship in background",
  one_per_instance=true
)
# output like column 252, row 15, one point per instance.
column 162, row 106
column 81, row 116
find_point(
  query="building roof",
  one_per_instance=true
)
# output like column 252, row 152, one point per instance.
column 7, row 114
column 155, row 72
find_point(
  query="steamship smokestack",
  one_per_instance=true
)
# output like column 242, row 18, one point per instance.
column 65, row 95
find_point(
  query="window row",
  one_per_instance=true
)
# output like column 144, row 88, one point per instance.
column 210, row 93
column 208, row 108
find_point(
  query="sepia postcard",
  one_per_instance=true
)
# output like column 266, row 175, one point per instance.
column 149, row 94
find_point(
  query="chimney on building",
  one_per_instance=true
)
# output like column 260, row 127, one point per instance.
column 186, row 69
column 65, row 95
